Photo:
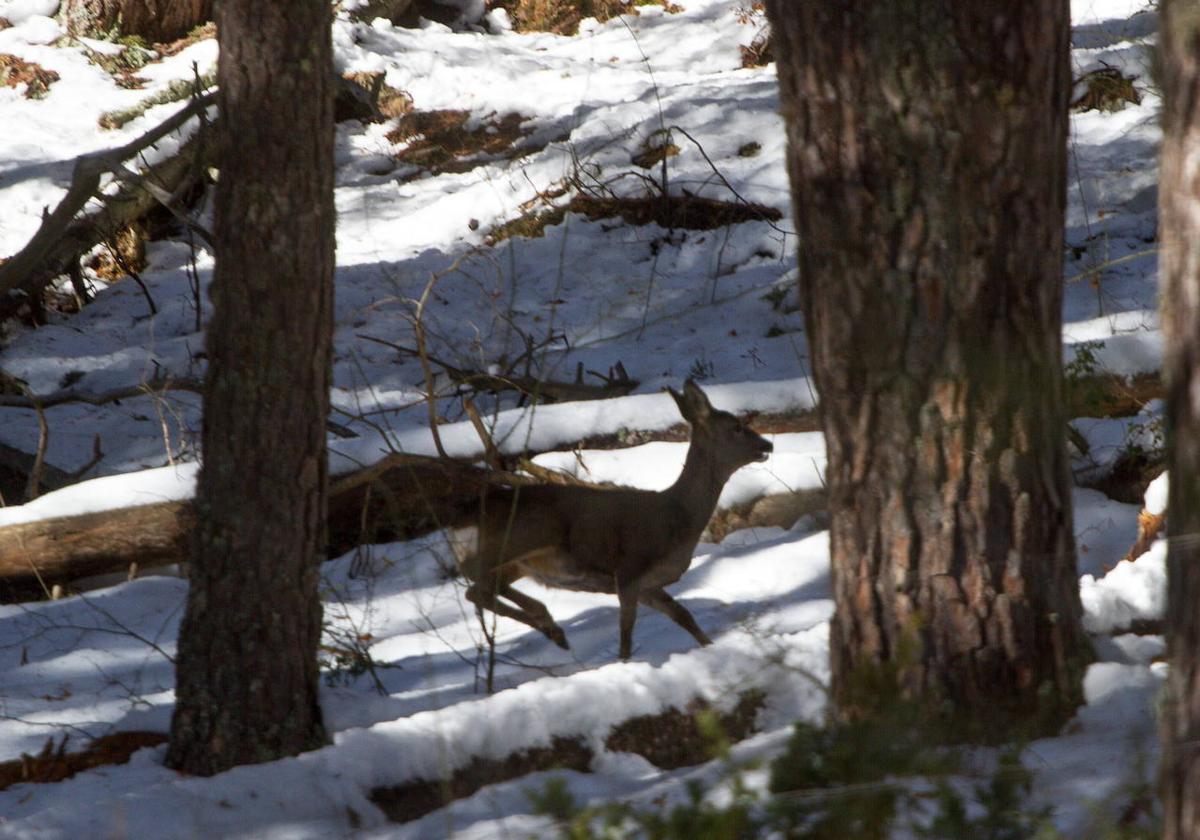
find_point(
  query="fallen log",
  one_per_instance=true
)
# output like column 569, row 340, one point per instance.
column 35, row 556
column 400, row 497
column 67, row 233
column 670, row 739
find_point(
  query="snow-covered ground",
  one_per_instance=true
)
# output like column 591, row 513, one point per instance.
column 666, row 304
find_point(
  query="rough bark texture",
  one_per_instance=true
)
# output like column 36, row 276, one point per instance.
column 154, row 20
column 247, row 670
column 34, row 556
column 927, row 155
column 1179, row 224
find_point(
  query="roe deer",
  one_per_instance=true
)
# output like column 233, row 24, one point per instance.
column 621, row 540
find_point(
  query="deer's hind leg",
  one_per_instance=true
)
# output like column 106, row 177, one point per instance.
column 485, row 593
column 672, row 609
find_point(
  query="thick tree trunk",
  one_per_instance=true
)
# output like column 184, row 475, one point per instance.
column 153, row 20
column 247, row 669
column 1179, row 223
column 927, row 155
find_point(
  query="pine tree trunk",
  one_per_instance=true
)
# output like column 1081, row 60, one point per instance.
column 153, row 20
column 927, row 155
column 246, row 670
column 1179, row 224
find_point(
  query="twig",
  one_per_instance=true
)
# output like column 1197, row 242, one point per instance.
column 617, row 385
column 114, row 251
column 430, row 395
column 71, row 395
column 491, row 455
column 33, row 487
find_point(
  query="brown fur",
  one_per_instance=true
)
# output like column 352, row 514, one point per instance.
column 623, row 541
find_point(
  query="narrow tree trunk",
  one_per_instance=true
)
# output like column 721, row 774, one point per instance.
column 1179, row 223
column 154, row 20
column 927, row 155
column 247, row 671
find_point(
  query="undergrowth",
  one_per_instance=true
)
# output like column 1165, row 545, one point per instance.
column 16, row 71
column 445, row 140
column 853, row 780
column 176, row 91
column 563, row 17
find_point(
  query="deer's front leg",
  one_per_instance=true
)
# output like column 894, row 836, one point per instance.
column 668, row 606
column 628, row 596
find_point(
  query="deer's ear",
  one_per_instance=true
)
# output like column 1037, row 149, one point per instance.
column 679, row 400
column 697, row 404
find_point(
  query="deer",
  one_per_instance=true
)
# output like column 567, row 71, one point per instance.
column 620, row 540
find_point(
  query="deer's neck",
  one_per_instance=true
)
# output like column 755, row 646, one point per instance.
column 699, row 485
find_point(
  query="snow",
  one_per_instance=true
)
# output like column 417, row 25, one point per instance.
column 20, row 11
column 717, row 305
column 1130, row 592
column 1156, row 496
column 165, row 484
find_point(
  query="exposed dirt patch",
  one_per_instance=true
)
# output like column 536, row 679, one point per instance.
column 440, row 141
column 657, row 148
column 136, row 54
column 673, row 212
column 414, row 799
column 782, row 510
column 123, row 254
column 669, row 739
column 1107, row 90
column 1132, row 473
column 674, row 738
column 16, row 71
column 54, row 763
column 530, row 225
column 382, row 100
column 123, row 65
column 690, row 212
column 1110, row 395
column 760, row 51
column 563, row 17
column 200, row 33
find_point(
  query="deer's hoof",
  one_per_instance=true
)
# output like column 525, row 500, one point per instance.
column 559, row 638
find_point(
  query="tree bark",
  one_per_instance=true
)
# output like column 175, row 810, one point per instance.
column 927, row 156
column 1179, row 225
column 153, row 20
column 247, row 672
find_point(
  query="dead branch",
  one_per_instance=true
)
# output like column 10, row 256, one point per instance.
column 549, row 476
column 491, row 455
column 616, row 384
column 63, row 238
column 76, row 395
column 430, row 393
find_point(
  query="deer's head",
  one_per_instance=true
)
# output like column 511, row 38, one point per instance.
column 727, row 441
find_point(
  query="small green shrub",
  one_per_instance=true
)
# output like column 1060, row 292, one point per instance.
column 851, row 780
column 1003, row 799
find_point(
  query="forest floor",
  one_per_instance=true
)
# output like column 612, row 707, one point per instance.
column 434, row 199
